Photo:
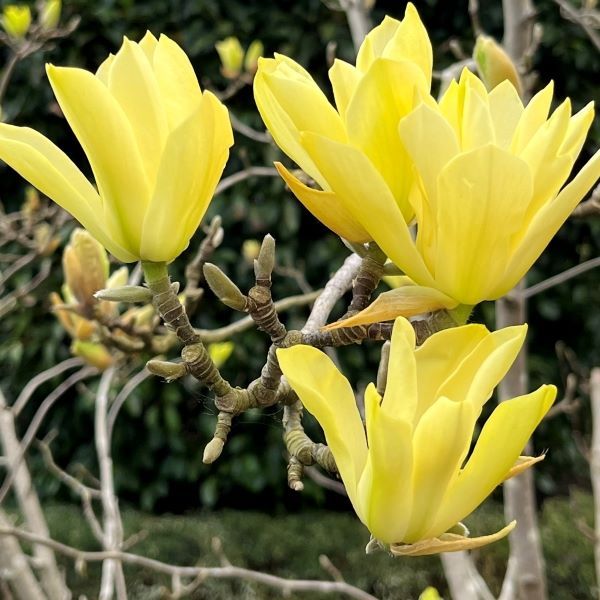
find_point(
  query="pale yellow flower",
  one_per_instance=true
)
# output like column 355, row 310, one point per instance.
column 16, row 19
column 488, row 197
column 231, row 53
column 494, row 65
column 411, row 476
column 50, row 14
column 156, row 143
column 354, row 146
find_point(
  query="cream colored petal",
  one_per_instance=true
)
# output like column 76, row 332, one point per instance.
column 439, row 357
column 375, row 42
column 384, row 489
column 449, row 542
column 193, row 161
column 410, row 42
column 431, row 143
column 108, row 141
column 344, row 78
column 386, row 94
column 441, row 440
column 51, row 171
column 327, row 394
column 400, row 398
column 179, row 88
column 500, row 443
column 367, row 197
column 406, row 301
column 533, row 117
column 546, row 223
column 132, row 83
column 485, row 193
column 290, row 102
column 483, row 368
column 326, row 207
column 506, row 109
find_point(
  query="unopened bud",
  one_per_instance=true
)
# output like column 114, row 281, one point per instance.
column 231, row 54
column 254, row 52
column 167, row 370
column 213, row 450
column 16, row 20
column 494, row 65
column 126, row 293
column 94, row 354
column 50, row 14
column 223, row 288
column 263, row 265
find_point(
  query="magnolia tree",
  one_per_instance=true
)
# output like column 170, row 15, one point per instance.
column 455, row 195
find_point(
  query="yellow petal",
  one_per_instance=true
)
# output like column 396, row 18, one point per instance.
column 193, row 161
column 546, row 223
column 132, row 83
column 386, row 93
column 533, row 117
column 289, row 102
column 406, row 301
column 400, row 398
column 449, row 542
column 108, row 141
column 438, row 455
column 326, row 393
column 52, row 172
column 148, row 44
column 475, row 221
column 375, row 42
column 103, row 71
column 326, row 207
column 579, row 126
column 367, row 197
column 500, row 443
column 344, row 78
column 523, row 463
column 506, row 109
column 384, row 489
column 477, row 127
column 179, row 88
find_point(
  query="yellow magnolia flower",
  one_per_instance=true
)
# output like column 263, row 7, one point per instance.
column 156, row 143
column 355, row 145
column 50, row 14
column 16, row 19
column 488, row 197
column 408, row 476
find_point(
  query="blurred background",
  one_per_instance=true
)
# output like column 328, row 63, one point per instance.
column 162, row 429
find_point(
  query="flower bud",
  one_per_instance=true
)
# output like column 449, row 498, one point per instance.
column 94, row 354
column 16, row 19
column 126, row 293
column 223, row 288
column 50, row 14
column 231, row 54
column 167, row 370
column 254, row 52
column 494, row 65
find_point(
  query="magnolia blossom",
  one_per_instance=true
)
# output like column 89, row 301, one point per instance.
column 409, row 472
column 156, row 143
column 393, row 70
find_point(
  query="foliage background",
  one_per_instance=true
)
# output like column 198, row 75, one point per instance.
column 161, row 431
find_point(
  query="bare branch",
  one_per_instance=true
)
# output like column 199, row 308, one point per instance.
column 581, row 18
column 122, row 396
column 258, row 136
column 227, row 182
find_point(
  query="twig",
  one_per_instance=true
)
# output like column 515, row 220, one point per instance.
column 286, row 586
column 325, row 482
column 258, row 136
column 579, row 17
column 589, row 207
column 227, row 182
column 359, row 22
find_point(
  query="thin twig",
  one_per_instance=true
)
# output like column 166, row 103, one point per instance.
column 258, row 136
column 227, row 182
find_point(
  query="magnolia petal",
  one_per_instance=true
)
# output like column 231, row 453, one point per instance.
column 148, row 44
column 132, row 83
column 477, row 127
column 440, row 356
column 344, row 78
column 400, row 398
column 375, row 42
column 107, row 139
column 546, row 223
column 103, row 71
column 438, row 454
column 475, row 221
column 533, row 117
column 506, row 109
column 192, row 163
column 523, row 463
column 500, row 443
column 386, row 93
column 290, row 102
column 449, row 542
column 367, row 197
column 327, row 394
column 384, row 490
column 579, row 126
column 406, row 301
column 52, row 172
column 326, row 207
column 179, row 88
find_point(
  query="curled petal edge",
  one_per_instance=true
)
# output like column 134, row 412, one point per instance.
column 523, row 463
column 449, row 542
